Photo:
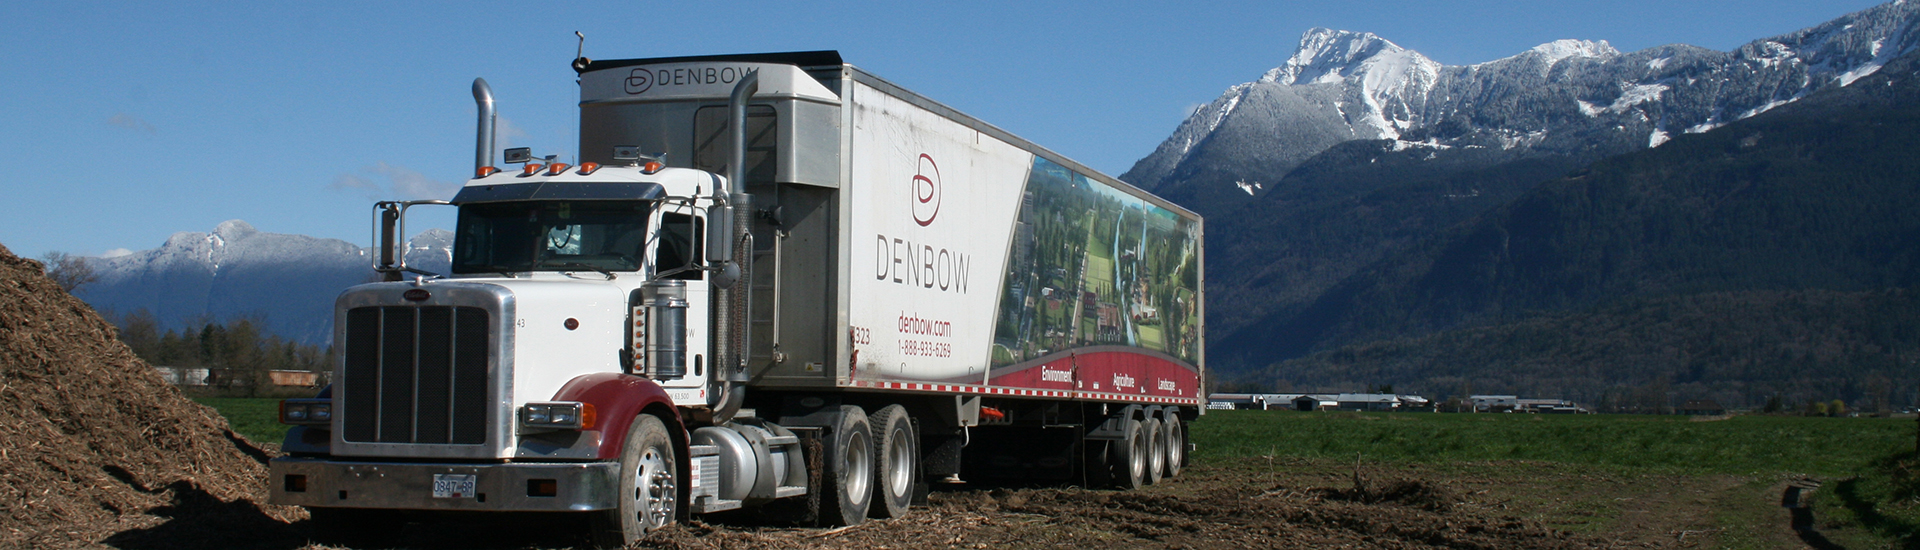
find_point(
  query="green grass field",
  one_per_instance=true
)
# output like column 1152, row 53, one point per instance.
column 1870, row 497
column 1738, row 445
column 256, row 418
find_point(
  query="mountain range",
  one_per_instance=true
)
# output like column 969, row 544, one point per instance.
column 287, row 282
column 1355, row 153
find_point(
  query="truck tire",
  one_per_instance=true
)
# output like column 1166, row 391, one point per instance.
column 849, row 470
column 649, row 493
column 896, row 462
column 1156, row 450
column 1176, row 444
column 1129, row 456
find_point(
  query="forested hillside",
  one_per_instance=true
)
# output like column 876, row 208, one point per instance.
column 1647, row 355
column 1821, row 196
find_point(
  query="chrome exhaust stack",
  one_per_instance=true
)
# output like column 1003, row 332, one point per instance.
column 732, row 209
column 483, row 148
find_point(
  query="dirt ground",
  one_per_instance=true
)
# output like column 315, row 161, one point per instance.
column 1244, row 504
column 97, row 452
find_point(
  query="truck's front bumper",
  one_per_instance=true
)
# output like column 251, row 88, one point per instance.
column 317, row 482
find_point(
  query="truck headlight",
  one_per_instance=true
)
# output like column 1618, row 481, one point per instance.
column 306, row 412
column 560, row 415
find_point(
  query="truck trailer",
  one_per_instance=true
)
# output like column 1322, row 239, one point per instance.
column 773, row 283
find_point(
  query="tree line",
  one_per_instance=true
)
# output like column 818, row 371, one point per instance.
column 237, row 353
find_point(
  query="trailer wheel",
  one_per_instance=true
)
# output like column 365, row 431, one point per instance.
column 1176, row 444
column 1129, row 456
column 1156, row 450
column 849, row 470
column 896, row 462
column 649, row 495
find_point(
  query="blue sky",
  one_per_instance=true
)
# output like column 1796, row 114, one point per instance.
column 128, row 122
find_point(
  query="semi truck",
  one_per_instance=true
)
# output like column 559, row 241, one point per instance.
column 773, row 284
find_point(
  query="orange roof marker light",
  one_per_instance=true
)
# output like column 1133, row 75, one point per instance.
column 587, row 168
column 530, row 169
column 556, row 168
column 485, row 171
column 632, row 154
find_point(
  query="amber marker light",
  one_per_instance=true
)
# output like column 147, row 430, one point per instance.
column 556, row 168
column 531, row 169
column 485, row 171
column 652, row 166
column 587, row 168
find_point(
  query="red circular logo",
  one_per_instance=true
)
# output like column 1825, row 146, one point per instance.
column 926, row 191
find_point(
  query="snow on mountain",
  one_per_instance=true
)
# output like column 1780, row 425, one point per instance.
column 1567, row 97
column 288, row 281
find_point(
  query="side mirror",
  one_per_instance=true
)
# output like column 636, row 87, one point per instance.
column 389, row 244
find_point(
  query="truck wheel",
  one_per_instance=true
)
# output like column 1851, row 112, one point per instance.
column 896, row 462
column 849, row 470
column 1176, row 444
column 1129, row 456
column 649, row 496
column 1156, row 450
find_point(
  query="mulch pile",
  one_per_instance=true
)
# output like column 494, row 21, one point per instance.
column 93, row 443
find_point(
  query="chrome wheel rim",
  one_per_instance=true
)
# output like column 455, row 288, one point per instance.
column 859, row 460
column 654, row 490
column 900, row 456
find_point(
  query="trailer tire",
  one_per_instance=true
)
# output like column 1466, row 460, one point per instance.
column 1129, row 456
column 849, row 470
column 1176, row 444
column 649, row 492
column 896, row 462
column 1156, row 450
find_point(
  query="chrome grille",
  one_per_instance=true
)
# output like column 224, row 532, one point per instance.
column 415, row 375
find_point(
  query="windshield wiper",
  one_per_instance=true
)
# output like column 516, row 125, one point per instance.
column 578, row 265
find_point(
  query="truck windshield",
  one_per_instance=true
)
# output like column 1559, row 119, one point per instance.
column 511, row 237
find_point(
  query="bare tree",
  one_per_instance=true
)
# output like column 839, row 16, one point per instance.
column 68, row 271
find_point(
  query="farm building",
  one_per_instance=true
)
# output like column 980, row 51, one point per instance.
column 1496, row 402
column 1372, row 402
column 1318, row 401
column 180, row 376
column 1234, row 401
column 1549, row 406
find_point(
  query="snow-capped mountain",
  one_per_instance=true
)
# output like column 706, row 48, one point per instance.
column 236, row 270
column 1568, row 97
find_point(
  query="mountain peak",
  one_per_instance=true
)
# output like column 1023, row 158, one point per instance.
column 1558, row 50
column 233, row 230
column 1327, row 55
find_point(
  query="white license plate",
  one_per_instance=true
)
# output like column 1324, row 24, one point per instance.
column 454, row 485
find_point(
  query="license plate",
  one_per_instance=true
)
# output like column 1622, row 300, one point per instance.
column 454, row 485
